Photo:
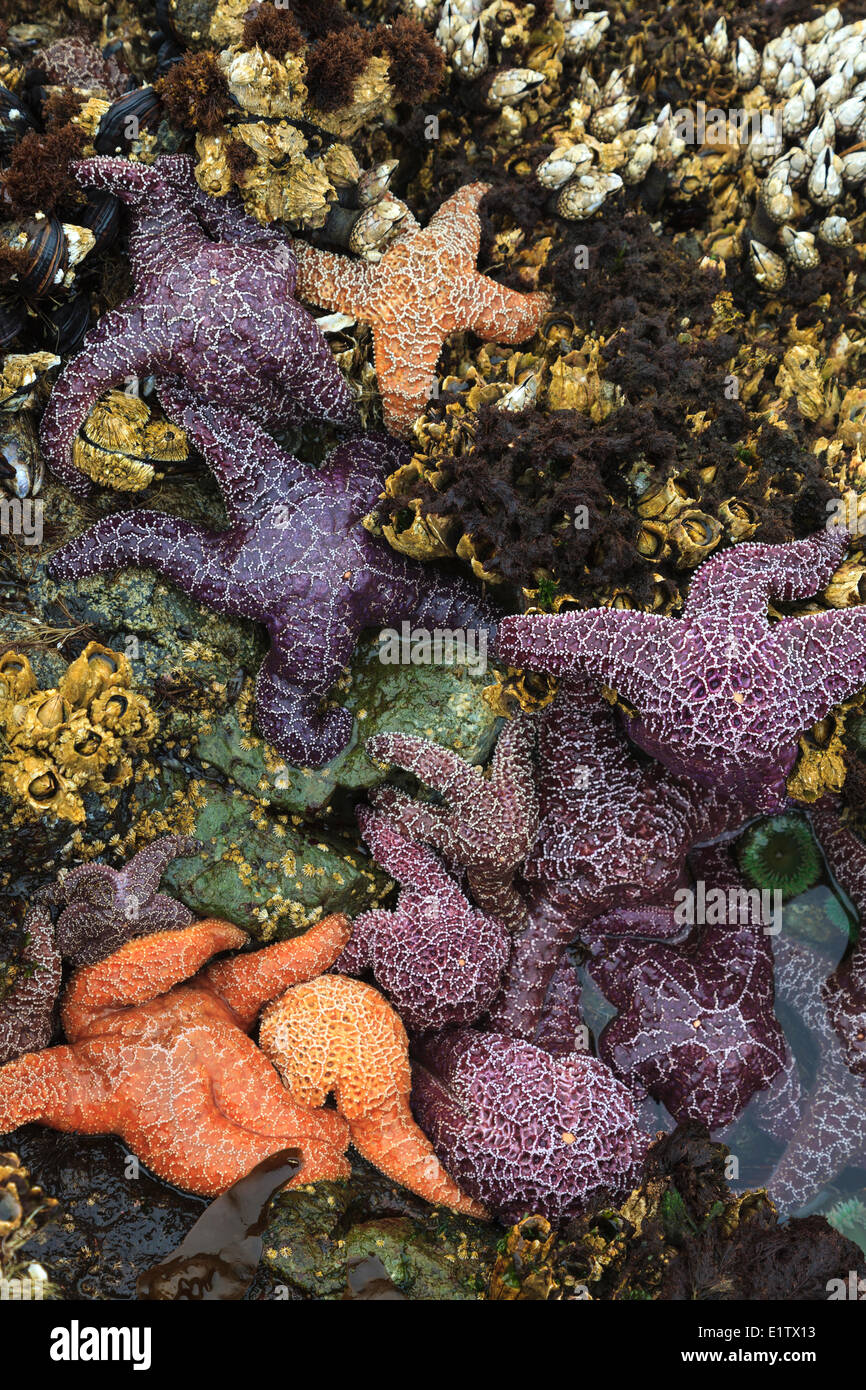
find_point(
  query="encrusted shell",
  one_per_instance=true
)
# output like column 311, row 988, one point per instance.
column 95, row 671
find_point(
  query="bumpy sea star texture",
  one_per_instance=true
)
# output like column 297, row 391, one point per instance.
column 438, row 959
column 523, row 1131
column 27, row 1010
column 212, row 306
column 695, row 1026
column 844, row 993
column 339, row 1035
column 489, row 824
column 721, row 694
column 614, row 831
column 158, row 1055
column 104, row 908
column 424, row 287
column 830, row 1131
column 295, row 558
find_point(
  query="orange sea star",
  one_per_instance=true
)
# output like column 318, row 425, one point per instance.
column 158, row 1055
column 424, row 287
column 338, row 1034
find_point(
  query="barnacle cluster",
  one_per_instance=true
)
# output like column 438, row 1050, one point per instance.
column 82, row 736
column 24, row 1208
column 121, row 441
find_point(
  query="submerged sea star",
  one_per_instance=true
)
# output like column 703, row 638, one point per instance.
column 339, row 1035
column 212, row 305
column 162, row 1060
column 104, row 908
column 845, row 991
column 438, row 959
column 523, row 1131
column 695, row 1028
column 722, row 694
column 424, row 287
column 490, row 822
column 831, row 1131
column 295, row 558
column 27, row 1009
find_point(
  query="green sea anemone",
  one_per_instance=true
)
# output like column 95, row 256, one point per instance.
column 849, row 1219
column 780, row 853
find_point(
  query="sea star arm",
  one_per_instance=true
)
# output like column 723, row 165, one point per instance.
column 184, row 553
column 333, row 282
column 821, row 660
column 748, row 576
column 161, row 230
column 247, row 982
column 441, row 768
column 413, row 866
column 145, row 869
column 253, row 472
column 456, row 226
column 290, row 713
column 51, row 1088
column 27, row 1010
column 534, row 960
column 621, row 646
column 127, row 342
column 405, row 362
column 143, row 969
column 561, row 1029
column 507, row 316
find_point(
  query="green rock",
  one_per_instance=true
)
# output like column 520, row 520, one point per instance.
column 258, row 870
column 319, row 1237
column 439, row 702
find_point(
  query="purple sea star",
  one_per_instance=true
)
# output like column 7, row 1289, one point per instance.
column 212, row 305
column 831, row 1132
column 438, row 959
column 523, row 1131
column 104, row 908
column 695, row 1028
column 295, row 558
column 721, row 694
column 614, row 831
column 27, row 1010
column 490, row 822
column 845, row 991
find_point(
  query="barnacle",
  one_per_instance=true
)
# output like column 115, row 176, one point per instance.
column 120, row 441
column 36, row 784
column 96, row 670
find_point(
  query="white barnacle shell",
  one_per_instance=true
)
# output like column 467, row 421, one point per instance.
column 825, row 180
column 521, row 396
column 777, row 197
column 586, row 194
column 373, row 183
column 800, row 247
column 513, row 84
column 818, row 59
column 716, row 42
column 832, row 92
column 798, row 109
column 617, row 85
column 609, row 121
column 854, row 167
column 768, row 268
column 823, row 24
column 471, row 57
column 849, row 113
column 584, row 35
column 766, row 144
column 562, row 165
column 836, row 231
column 640, row 161
column 820, row 138
column 746, row 65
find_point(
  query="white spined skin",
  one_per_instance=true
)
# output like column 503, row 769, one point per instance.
column 584, row 35
column 825, row 181
column 746, row 65
column 563, row 164
column 768, row 269
column 512, row 85
column 472, row 57
column 800, row 248
column 716, row 42
column 586, row 194
column 854, row 168
column 836, row 231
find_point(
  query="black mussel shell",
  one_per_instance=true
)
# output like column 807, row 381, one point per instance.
column 12, row 319
column 16, row 119
column 101, row 215
column 65, row 325
column 46, row 252
column 126, row 118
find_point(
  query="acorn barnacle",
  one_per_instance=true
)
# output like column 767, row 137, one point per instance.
column 83, row 751
column 36, row 721
column 96, row 670
column 125, row 713
column 36, row 783
column 17, row 680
